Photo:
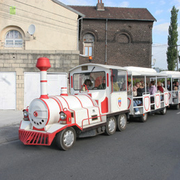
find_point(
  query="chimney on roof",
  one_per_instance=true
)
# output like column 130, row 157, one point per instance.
column 100, row 6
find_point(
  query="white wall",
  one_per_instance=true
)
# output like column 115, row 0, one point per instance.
column 32, row 85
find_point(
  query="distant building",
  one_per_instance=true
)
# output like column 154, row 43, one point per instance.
column 116, row 36
column 29, row 30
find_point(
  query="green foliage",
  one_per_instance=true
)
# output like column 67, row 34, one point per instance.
column 172, row 40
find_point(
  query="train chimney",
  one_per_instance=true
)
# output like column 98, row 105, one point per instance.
column 64, row 91
column 43, row 65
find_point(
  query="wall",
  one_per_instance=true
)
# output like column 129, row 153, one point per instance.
column 56, row 26
column 25, row 61
column 129, row 43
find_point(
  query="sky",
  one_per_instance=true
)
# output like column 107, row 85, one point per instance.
column 161, row 10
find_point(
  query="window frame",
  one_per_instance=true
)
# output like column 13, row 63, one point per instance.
column 88, row 45
column 14, row 41
column 94, row 88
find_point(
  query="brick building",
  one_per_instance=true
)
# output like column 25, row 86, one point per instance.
column 116, row 36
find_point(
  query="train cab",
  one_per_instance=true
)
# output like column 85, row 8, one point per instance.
column 173, row 81
column 106, row 85
column 147, row 92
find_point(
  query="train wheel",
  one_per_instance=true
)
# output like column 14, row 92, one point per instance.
column 177, row 106
column 163, row 112
column 144, row 117
column 66, row 138
column 111, row 126
column 121, row 122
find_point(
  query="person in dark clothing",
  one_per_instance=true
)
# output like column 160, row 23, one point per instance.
column 169, row 85
column 141, row 89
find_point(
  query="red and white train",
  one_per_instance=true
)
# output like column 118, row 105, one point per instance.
column 100, row 102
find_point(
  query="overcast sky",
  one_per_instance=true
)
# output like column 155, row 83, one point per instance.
column 161, row 10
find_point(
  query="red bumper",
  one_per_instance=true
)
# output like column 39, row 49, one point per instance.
column 36, row 138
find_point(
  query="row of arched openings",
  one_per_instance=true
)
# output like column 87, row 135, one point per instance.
column 89, row 39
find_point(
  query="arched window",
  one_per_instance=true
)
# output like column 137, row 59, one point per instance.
column 13, row 39
column 88, row 44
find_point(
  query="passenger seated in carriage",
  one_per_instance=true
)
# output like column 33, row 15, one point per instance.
column 160, row 88
column 129, row 88
column 103, row 84
column 169, row 85
column 177, row 85
column 175, row 93
column 88, row 84
column 152, row 90
column 136, row 102
column 123, row 88
column 141, row 89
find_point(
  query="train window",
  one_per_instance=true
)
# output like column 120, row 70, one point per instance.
column 119, row 80
column 93, row 80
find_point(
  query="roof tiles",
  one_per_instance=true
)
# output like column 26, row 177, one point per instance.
column 116, row 13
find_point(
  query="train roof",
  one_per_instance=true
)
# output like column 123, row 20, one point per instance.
column 141, row 71
column 173, row 74
column 99, row 65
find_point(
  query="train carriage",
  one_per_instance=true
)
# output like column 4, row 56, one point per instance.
column 144, row 102
column 173, row 80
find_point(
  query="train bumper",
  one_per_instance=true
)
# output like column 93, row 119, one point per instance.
column 35, row 137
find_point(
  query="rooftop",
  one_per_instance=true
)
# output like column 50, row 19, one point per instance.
column 115, row 13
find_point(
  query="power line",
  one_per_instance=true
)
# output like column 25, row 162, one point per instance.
column 41, row 22
column 38, row 15
column 160, row 45
column 43, row 10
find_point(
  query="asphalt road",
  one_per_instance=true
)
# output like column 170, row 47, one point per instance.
column 144, row 151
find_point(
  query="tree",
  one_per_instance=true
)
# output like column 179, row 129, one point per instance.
column 172, row 40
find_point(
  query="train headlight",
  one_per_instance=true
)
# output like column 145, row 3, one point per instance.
column 63, row 116
column 25, row 114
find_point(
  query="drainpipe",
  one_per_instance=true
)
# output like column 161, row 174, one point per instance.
column 106, row 43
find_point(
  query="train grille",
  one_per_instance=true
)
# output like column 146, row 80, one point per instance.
column 35, row 138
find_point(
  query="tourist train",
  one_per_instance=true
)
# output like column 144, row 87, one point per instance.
column 101, row 99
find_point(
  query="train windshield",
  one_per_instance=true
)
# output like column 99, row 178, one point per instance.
column 89, row 81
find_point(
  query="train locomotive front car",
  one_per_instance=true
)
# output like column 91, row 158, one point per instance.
column 88, row 111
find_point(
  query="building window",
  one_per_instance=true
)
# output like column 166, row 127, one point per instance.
column 13, row 39
column 88, row 44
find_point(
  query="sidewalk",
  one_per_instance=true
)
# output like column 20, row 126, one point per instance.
column 9, row 125
column 10, row 117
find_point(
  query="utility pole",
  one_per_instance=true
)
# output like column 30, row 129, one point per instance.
column 177, row 58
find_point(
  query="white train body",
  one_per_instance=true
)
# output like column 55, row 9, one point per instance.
column 44, row 113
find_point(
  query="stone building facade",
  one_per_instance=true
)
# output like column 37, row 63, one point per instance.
column 54, row 35
column 116, row 36
column 25, row 61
